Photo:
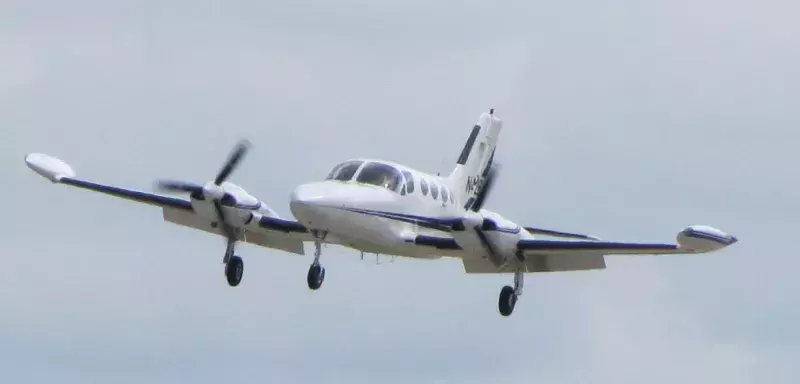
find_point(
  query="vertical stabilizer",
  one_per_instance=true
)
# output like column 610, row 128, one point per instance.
column 476, row 158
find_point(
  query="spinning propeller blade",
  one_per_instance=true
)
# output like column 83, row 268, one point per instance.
column 488, row 184
column 233, row 161
column 178, row 186
column 214, row 194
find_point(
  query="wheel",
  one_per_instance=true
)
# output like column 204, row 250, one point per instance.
column 507, row 301
column 316, row 275
column 234, row 270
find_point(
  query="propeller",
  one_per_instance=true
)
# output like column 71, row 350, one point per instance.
column 214, row 190
column 489, row 179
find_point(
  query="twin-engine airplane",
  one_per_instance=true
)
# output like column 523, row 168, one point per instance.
column 382, row 207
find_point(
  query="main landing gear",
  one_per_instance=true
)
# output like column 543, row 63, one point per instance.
column 509, row 295
column 316, row 272
column 234, row 266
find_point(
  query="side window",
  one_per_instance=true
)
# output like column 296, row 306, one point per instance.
column 409, row 181
column 434, row 191
column 444, row 194
column 423, row 186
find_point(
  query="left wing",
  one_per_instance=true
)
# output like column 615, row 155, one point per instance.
column 272, row 232
column 693, row 239
column 578, row 255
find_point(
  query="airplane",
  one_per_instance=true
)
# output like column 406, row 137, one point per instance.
column 383, row 207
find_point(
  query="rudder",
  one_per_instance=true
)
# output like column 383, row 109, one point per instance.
column 476, row 158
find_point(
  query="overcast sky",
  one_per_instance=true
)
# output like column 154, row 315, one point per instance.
column 626, row 120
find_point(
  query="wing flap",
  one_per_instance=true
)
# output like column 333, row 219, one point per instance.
column 561, row 262
column 269, row 240
column 564, row 262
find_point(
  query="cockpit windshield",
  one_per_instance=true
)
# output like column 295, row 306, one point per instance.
column 382, row 175
column 344, row 171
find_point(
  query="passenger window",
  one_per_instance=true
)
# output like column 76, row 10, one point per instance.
column 409, row 181
column 423, row 186
column 444, row 194
column 344, row 171
column 434, row 191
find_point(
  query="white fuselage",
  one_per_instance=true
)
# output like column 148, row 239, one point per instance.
column 376, row 218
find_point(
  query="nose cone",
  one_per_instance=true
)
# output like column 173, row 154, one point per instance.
column 322, row 204
column 317, row 194
column 312, row 203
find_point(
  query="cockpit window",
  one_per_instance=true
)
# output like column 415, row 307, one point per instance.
column 382, row 175
column 344, row 171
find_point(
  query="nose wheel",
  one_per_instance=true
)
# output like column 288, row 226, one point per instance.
column 509, row 295
column 316, row 272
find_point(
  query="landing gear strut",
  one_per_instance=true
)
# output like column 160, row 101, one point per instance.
column 234, row 266
column 509, row 295
column 316, row 272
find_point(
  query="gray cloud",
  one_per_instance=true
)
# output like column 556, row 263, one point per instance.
column 627, row 121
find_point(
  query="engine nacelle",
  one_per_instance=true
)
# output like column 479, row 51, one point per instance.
column 237, row 198
column 489, row 235
column 503, row 234
column 702, row 238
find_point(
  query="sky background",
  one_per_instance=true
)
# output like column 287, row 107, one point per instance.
column 626, row 120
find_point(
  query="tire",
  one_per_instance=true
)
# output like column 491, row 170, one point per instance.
column 234, row 270
column 507, row 301
column 316, row 275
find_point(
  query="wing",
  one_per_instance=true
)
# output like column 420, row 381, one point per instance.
column 272, row 232
column 579, row 255
column 554, row 233
column 693, row 239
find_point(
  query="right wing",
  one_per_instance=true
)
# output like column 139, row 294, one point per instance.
column 272, row 232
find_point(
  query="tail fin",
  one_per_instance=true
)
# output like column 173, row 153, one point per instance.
column 476, row 158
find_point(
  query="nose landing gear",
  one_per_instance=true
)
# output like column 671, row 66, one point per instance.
column 316, row 272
